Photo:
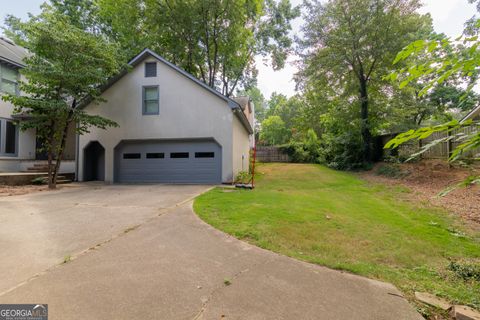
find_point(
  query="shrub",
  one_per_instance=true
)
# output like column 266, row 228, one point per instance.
column 342, row 151
column 467, row 270
column 304, row 149
column 39, row 181
column 243, row 177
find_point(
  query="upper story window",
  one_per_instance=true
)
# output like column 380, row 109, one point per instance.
column 150, row 69
column 8, row 79
column 150, row 100
column 8, row 138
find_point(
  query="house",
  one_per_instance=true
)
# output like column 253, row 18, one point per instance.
column 473, row 115
column 21, row 150
column 172, row 129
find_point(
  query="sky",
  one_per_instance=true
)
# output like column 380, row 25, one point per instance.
column 448, row 17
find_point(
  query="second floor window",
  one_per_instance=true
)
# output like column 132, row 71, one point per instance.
column 150, row 100
column 8, row 80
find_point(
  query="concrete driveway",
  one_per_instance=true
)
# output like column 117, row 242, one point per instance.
column 170, row 265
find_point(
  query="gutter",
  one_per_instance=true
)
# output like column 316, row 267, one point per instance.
column 237, row 110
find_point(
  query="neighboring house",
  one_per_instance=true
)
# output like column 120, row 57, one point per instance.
column 20, row 150
column 473, row 115
column 172, row 129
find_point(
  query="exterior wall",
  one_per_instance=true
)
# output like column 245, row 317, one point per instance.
column 25, row 147
column 186, row 111
column 241, row 148
column 70, row 144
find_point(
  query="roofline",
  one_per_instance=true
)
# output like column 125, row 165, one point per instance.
column 8, row 61
column 471, row 113
column 138, row 58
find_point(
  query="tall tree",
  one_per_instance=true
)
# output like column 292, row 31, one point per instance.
column 348, row 48
column 66, row 67
column 215, row 40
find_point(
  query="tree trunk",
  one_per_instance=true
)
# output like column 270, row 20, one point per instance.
column 365, row 128
column 51, row 185
column 60, row 152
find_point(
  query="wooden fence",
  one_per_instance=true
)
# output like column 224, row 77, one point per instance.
column 271, row 154
column 441, row 150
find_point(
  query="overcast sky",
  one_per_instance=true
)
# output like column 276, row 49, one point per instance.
column 448, row 17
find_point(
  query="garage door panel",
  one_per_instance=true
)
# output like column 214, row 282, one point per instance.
column 164, row 162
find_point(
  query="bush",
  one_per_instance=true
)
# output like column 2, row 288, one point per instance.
column 39, row 181
column 467, row 270
column 243, row 177
column 305, row 149
column 342, row 151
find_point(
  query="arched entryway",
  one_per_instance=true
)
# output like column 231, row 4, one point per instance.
column 94, row 162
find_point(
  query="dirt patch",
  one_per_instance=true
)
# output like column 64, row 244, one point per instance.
column 427, row 179
column 6, row 191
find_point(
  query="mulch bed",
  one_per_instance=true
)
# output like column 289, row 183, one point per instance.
column 6, row 191
column 427, row 179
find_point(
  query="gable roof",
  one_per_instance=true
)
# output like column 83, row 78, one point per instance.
column 12, row 54
column 235, row 106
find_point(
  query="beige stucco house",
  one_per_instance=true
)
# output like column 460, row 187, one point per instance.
column 172, row 129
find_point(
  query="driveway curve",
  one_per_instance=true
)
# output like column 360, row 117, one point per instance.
column 175, row 266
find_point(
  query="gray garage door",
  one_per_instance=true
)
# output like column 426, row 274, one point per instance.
column 189, row 161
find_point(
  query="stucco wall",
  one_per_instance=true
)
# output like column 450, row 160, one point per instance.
column 241, row 148
column 186, row 111
column 26, row 143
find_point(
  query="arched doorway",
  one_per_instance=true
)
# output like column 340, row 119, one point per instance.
column 94, row 162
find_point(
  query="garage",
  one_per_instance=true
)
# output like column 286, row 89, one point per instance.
column 177, row 161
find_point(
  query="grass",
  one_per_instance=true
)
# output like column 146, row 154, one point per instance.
column 334, row 219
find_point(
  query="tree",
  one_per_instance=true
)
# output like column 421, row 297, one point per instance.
column 66, row 68
column 215, row 40
column 274, row 131
column 459, row 58
column 348, row 47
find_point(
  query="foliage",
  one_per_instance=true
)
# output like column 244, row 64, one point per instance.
column 243, row 177
column 347, row 49
column 38, row 181
column 469, row 142
column 274, row 131
column 370, row 231
column 66, row 67
column 305, row 149
column 445, row 59
column 214, row 40
column 467, row 270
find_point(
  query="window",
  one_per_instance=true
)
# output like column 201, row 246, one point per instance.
column 8, row 80
column 150, row 100
column 177, row 155
column 8, row 138
column 150, row 69
column 204, row 154
column 159, row 155
column 131, row 156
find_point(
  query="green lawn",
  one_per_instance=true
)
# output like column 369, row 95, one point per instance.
column 335, row 219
